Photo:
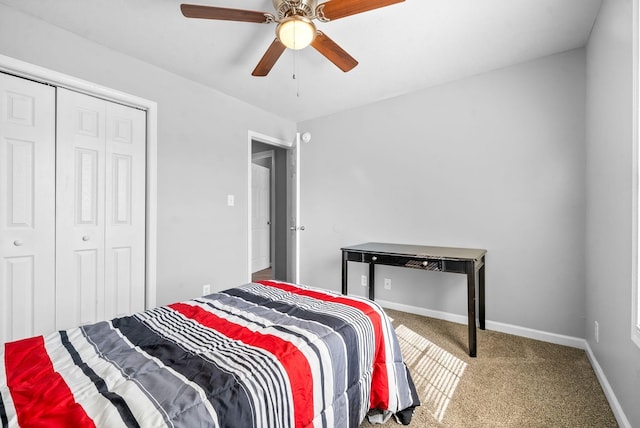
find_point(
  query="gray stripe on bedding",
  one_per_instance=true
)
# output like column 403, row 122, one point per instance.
column 340, row 327
column 311, row 330
column 258, row 371
column 163, row 388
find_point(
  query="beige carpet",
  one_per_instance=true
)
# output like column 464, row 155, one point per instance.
column 514, row 382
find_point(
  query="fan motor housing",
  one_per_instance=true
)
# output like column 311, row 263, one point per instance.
column 286, row 8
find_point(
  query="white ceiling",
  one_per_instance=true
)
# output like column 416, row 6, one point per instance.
column 401, row 48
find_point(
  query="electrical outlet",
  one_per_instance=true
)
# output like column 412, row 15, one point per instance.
column 231, row 200
column 206, row 289
column 363, row 280
column 597, row 332
column 387, row 284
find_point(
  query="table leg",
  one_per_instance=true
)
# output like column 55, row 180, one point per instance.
column 481, row 314
column 471, row 306
column 371, row 281
column 344, row 272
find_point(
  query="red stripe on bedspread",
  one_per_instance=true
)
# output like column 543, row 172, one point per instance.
column 294, row 361
column 379, row 379
column 40, row 395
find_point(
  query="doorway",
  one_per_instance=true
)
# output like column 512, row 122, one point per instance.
column 269, row 212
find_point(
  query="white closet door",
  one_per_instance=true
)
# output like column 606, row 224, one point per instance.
column 125, row 210
column 27, row 208
column 80, row 205
column 100, row 207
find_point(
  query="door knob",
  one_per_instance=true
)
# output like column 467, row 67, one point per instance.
column 85, row 238
column 17, row 242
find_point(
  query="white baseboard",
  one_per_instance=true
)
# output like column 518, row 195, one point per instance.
column 422, row 311
column 608, row 391
column 559, row 339
column 544, row 336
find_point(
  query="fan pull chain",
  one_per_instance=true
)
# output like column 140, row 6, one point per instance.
column 295, row 54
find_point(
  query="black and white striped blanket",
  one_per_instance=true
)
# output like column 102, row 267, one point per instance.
column 266, row 354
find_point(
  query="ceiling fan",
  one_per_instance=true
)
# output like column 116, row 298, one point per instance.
column 295, row 28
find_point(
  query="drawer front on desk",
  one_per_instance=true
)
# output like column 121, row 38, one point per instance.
column 384, row 259
column 402, row 261
column 433, row 264
column 424, row 264
column 455, row 266
column 381, row 259
column 355, row 257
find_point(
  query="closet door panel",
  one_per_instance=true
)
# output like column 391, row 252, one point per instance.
column 125, row 210
column 80, row 207
column 101, row 152
column 86, row 298
column 27, row 192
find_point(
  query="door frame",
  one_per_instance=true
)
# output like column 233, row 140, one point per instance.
column 43, row 75
column 266, row 139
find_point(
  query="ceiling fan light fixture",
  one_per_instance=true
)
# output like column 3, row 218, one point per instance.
column 296, row 32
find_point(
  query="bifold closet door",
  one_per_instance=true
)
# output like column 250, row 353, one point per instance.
column 100, row 209
column 27, row 208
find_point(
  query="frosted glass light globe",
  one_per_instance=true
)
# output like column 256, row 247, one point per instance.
column 296, row 32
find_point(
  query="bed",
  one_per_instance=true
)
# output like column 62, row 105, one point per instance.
column 266, row 354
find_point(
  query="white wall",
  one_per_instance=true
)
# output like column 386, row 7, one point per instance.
column 202, row 153
column 609, row 202
column 495, row 161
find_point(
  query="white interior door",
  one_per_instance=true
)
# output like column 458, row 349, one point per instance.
column 295, row 225
column 125, row 210
column 99, row 209
column 260, row 217
column 80, row 208
column 27, row 208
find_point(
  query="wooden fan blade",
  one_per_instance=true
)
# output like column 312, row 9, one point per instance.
column 334, row 53
column 222, row 13
column 269, row 58
column 336, row 9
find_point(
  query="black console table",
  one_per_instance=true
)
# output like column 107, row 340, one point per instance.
column 443, row 259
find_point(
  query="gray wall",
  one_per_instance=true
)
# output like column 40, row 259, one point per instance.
column 495, row 161
column 609, row 202
column 203, row 153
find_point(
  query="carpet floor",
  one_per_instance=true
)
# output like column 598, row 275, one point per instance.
column 514, row 381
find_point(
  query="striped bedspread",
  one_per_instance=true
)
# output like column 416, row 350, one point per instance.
column 266, row 354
